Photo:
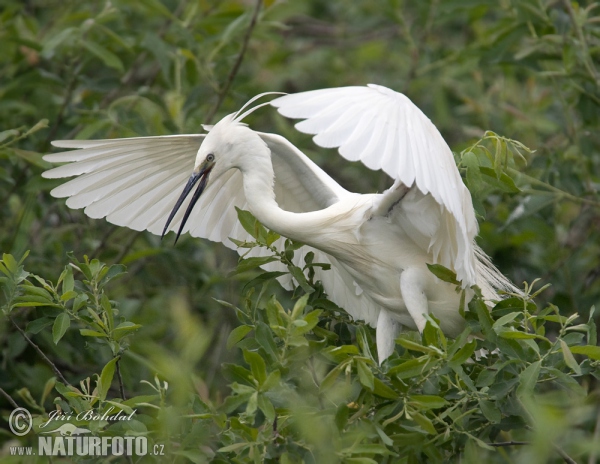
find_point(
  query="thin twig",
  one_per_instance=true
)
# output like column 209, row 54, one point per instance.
column 40, row 352
column 560, row 193
column 9, row 398
column 236, row 65
column 103, row 242
column 593, row 454
column 508, row 443
column 66, row 102
column 127, row 247
column 121, row 389
column 568, row 459
column 587, row 61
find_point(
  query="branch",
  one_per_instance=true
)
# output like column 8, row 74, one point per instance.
column 9, row 398
column 587, row 61
column 568, row 459
column 508, row 443
column 593, row 454
column 121, row 390
column 40, row 352
column 236, row 65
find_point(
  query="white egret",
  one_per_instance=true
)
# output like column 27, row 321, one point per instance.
column 378, row 245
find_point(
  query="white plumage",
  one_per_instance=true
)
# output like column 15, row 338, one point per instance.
column 378, row 244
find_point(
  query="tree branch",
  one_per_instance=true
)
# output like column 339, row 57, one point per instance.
column 508, row 443
column 121, row 390
column 236, row 65
column 40, row 352
column 9, row 398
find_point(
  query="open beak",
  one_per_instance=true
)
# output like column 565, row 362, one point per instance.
column 202, row 176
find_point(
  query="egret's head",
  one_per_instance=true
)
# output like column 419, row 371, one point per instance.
column 229, row 144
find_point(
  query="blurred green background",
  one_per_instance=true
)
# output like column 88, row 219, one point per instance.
column 525, row 69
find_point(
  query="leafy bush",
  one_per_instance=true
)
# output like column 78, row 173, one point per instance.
column 310, row 389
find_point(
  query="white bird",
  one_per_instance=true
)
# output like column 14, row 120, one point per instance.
column 378, row 245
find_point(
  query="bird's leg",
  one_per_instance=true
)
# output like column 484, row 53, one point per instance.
column 412, row 285
column 387, row 331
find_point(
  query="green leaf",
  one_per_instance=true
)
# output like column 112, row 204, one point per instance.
column 106, row 378
column 68, row 296
column 91, row 333
column 359, row 461
column 272, row 381
column 340, row 353
column 424, row 423
column 486, row 377
column 490, row 410
column 123, row 329
column 237, row 334
column 462, row 375
column 237, row 447
column 381, row 389
column 411, row 368
column 410, row 345
column 265, row 405
column 331, row 377
column 110, row 59
column 485, row 319
column 300, row 278
column 112, row 272
column 515, row 334
column 341, row 416
column 464, row 353
column 591, row 351
column 470, row 161
column 68, row 281
column 272, row 237
column 569, row 359
column 365, row 376
column 503, row 182
column 428, row 401
column 370, row 448
column 443, row 273
column 48, row 387
column 257, row 366
column 38, row 325
column 299, row 307
column 309, row 322
column 79, row 301
column 61, row 324
column 10, row 262
column 262, row 278
column 252, row 404
column 504, row 320
column 528, row 379
column 248, row 221
column 248, row 264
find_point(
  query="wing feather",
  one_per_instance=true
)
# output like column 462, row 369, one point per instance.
column 135, row 183
column 386, row 131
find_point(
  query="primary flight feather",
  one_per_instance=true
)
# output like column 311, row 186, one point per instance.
column 378, row 245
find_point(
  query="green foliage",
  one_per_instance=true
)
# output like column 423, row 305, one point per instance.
column 525, row 69
column 309, row 388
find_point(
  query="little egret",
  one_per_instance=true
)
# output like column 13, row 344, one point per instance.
column 378, row 245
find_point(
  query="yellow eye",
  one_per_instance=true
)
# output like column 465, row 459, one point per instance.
column 210, row 157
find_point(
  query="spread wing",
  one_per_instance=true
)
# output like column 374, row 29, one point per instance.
column 135, row 183
column 385, row 130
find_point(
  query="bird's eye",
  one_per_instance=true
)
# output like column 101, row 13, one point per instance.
column 210, row 157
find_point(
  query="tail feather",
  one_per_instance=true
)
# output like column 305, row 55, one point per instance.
column 490, row 279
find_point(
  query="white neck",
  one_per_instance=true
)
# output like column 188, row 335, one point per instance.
column 258, row 180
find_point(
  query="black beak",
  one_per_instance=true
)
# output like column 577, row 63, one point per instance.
column 202, row 175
